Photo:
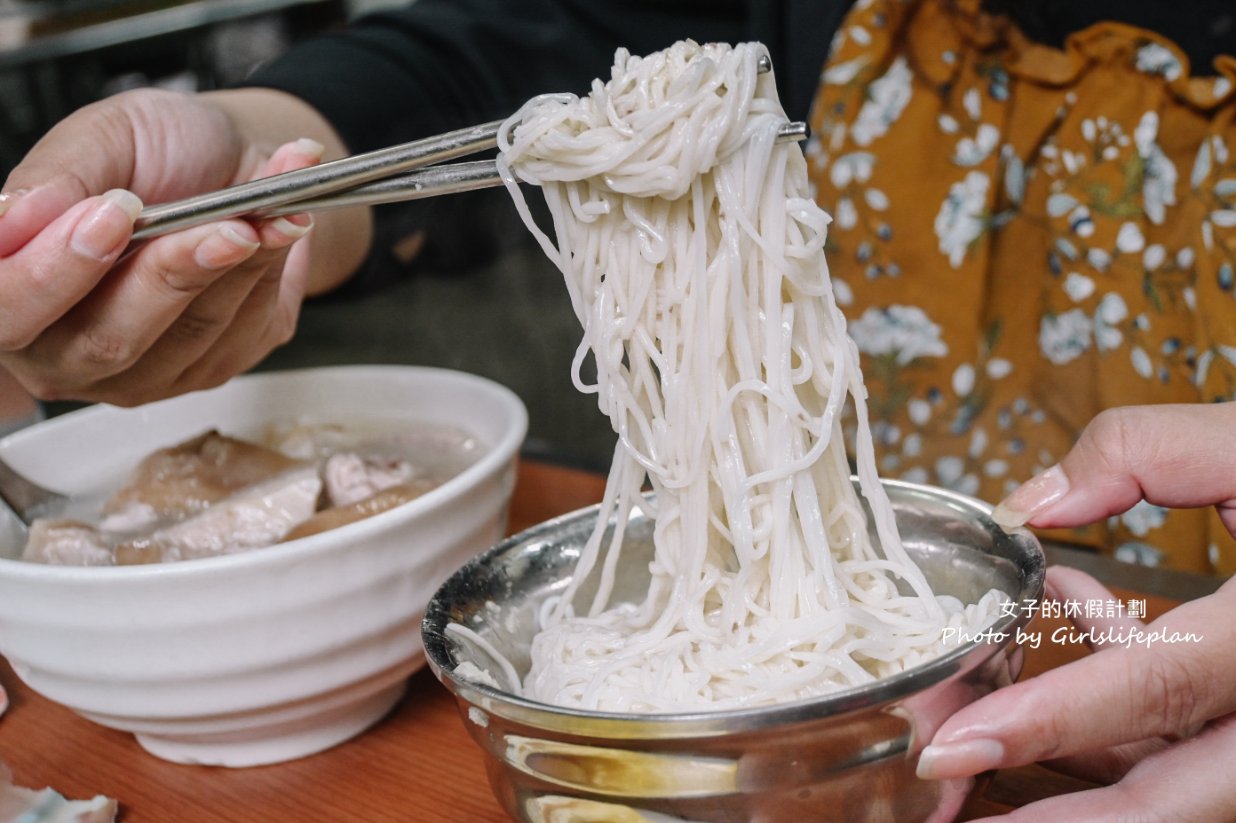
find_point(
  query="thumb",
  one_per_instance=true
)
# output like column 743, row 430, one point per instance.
column 88, row 153
column 1177, row 456
column 26, row 211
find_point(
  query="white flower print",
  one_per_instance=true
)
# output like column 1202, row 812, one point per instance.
column 1066, row 247
column 965, row 483
column 886, row 100
column 1111, row 311
column 972, row 102
column 998, row 367
column 963, row 380
column 846, row 214
column 971, row 151
column 1101, row 259
column 876, row 199
column 1158, row 174
column 885, row 433
column 919, row 411
column 1072, row 161
column 1129, row 239
column 916, row 475
column 1064, row 337
column 1144, row 518
column 1095, row 194
column 904, row 331
column 960, row 219
column 1153, row 256
column 1081, row 222
column 1158, row 186
column 842, row 293
column 1201, row 165
column 978, row 442
column 996, row 468
column 949, row 470
column 1139, row 554
column 1207, row 357
column 1078, row 286
column 1141, row 362
column 855, row 166
column 842, row 73
column 1211, row 153
column 1089, row 130
column 1060, row 203
column 1014, row 178
column 1153, row 58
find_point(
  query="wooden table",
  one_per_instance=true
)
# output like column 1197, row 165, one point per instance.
column 416, row 765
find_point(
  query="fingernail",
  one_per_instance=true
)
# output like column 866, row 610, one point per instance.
column 222, row 248
column 8, row 198
column 291, row 229
column 1033, row 497
column 959, row 759
column 100, row 233
column 309, row 147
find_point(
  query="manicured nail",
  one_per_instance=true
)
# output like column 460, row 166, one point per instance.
column 223, row 248
column 1031, row 498
column 8, row 198
column 939, row 762
column 291, row 229
column 102, row 231
column 309, row 147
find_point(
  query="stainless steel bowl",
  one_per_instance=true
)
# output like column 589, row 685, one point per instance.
column 849, row 756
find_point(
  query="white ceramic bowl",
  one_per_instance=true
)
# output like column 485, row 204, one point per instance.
column 272, row 654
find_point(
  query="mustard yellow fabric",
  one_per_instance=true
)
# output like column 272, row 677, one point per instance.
column 1024, row 236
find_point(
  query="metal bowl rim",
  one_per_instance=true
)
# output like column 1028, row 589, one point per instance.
column 914, row 680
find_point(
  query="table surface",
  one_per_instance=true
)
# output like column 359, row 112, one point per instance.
column 417, row 764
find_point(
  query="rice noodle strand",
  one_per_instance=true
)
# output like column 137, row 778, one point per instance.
column 693, row 254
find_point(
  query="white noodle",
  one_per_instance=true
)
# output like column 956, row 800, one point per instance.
column 693, row 255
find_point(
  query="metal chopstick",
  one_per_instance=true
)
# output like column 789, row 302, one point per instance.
column 450, row 178
column 310, row 189
column 315, row 181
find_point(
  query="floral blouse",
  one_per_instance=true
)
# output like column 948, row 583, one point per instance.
column 1024, row 236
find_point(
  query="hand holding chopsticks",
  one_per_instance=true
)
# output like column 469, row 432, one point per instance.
column 269, row 196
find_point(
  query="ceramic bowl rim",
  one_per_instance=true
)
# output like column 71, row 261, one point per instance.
column 498, row 455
